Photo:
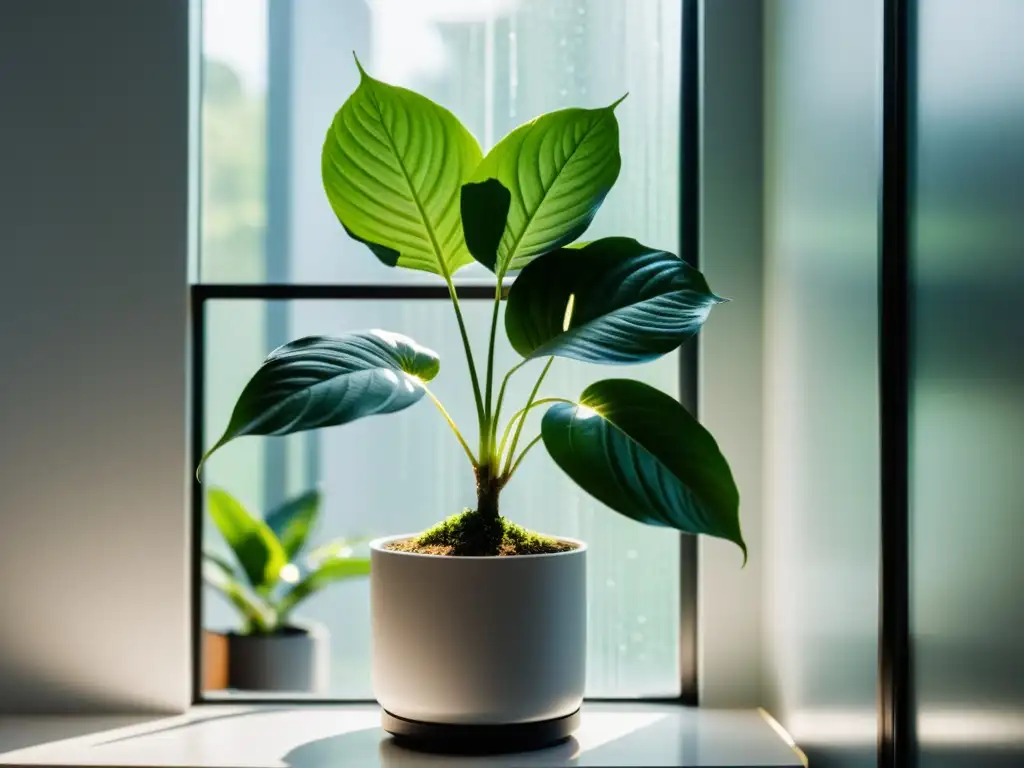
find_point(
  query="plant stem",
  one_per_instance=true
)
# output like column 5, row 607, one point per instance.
column 451, row 423
column 521, row 413
column 490, row 346
column 481, row 417
column 501, row 399
column 529, row 404
column 488, row 488
column 512, row 471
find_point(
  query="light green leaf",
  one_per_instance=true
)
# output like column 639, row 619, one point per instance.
column 611, row 301
column 255, row 546
column 639, row 452
column 558, row 169
column 321, row 381
column 292, row 521
column 327, row 572
column 392, row 164
column 336, row 548
column 256, row 614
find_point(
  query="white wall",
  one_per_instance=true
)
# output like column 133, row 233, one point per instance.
column 93, row 191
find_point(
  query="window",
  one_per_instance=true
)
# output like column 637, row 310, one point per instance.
column 273, row 74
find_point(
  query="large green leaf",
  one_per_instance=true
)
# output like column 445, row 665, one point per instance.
column 638, row 451
column 327, row 572
column 392, row 164
column 321, row 381
column 292, row 521
column 558, row 169
column 256, row 614
column 611, row 301
column 255, row 546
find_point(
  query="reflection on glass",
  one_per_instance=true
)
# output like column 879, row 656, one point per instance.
column 967, row 392
column 821, row 351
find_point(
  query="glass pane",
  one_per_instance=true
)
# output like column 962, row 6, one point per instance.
column 495, row 65
column 403, row 472
column 233, row 159
column 967, row 386
column 821, row 449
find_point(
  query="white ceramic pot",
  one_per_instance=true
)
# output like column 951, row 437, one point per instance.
column 296, row 660
column 478, row 640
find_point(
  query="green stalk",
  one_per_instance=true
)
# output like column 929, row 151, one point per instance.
column 481, row 417
column 487, row 435
column 451, row 423
column 526, row 450
column 501, row 398
column 522, row 421
column 519, row 415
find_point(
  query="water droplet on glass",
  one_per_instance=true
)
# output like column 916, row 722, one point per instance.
column 641, row 619
column 581, row 11
column 622, row 648
column 632, row 554
column 610, row 584
column 563, row 42
column 636, row 637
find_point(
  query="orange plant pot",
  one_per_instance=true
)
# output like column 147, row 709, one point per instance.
column 215, row 661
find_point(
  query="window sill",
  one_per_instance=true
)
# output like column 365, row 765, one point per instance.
column 268, row 736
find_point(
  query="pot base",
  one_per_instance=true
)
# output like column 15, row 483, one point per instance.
column 479, row 739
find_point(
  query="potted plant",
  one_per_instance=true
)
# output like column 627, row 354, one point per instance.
column 273, row 651
column 478, row 623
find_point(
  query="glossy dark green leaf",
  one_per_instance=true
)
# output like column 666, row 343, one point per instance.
column 255, row 546
column 484, row 211
column 639, row 452
column 558, row 169
column 256, row 614
column 392, row 164
column 328, row 571
column 322, row 381
column 609, row 301
column 292, row 521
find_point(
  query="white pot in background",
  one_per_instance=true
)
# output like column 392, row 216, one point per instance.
column 296, row 660
column 478, row 640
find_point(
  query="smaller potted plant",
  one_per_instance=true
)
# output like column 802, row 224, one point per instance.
column 273, row 651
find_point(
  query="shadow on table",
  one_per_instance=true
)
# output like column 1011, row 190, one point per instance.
column 675, row 741
column 356, row 747
column 189, row 723
column 658, row 743
column 17, row 732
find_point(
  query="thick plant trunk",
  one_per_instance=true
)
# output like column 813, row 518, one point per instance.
column 487, row 491
column 484, row 530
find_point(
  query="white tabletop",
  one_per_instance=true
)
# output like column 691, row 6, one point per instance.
column 268, row 736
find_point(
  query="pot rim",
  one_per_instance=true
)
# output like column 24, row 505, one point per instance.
column 306, row 630
column 378, row 545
